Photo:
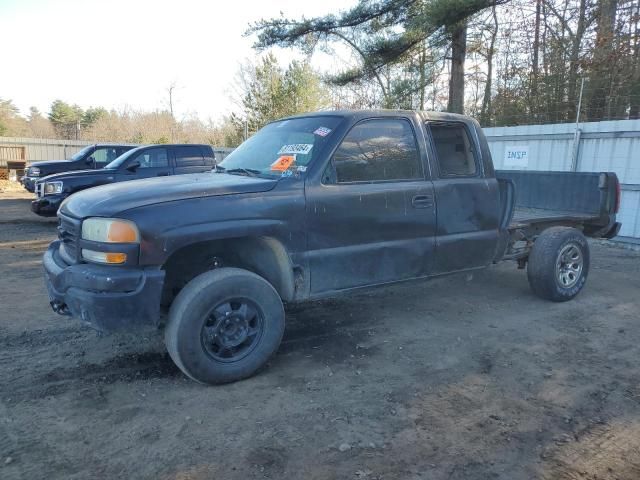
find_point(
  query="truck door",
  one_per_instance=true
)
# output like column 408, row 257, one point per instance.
column 468, row 202
column 371, row 219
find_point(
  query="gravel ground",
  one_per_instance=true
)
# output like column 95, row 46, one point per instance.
column 449, row 379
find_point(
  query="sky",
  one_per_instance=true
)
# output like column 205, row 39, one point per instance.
column 125, row 53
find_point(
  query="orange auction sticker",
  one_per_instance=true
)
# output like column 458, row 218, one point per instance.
column 283, row 163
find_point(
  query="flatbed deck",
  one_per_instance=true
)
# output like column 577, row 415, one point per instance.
column 523, row 216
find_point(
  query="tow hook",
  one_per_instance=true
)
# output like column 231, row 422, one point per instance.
column 59, row 307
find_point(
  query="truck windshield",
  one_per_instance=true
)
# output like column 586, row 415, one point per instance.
column 81, row 153
column 281, row 148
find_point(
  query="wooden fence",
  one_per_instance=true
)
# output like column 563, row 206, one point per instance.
column 37, row 149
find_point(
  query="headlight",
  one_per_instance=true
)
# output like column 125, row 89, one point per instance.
column 34, row 171
column 110, row 230
column 51, row 188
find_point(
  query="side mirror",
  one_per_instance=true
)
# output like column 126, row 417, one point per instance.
column 133, row 166
column 89, row 160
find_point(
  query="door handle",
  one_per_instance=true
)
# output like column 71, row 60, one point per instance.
column 422, row 201
column 163, row 174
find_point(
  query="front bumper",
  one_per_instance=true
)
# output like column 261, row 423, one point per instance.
column 48, row 205
column 106, row 297
column 29, row 183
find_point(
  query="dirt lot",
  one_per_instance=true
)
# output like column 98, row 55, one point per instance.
column 452, row 379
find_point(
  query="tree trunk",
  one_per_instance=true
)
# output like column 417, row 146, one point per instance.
column 574, row 60
column 422, row 66
column 634, row 96
column 485, row 112
column 458, row 55
column 601, row 74
column 535, row 62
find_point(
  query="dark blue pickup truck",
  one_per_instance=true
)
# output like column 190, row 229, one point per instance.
column 312, row 206
column 141, row 162
column 90, row 157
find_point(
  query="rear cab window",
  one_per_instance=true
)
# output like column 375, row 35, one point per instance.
column 455, row 154
column 123, row 150
column 208, row 154
column 104, row 155
column 188, row 156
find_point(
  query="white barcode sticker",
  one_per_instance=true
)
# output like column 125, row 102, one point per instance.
column 296, row 148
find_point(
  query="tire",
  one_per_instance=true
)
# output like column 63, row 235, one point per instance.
column 558, row 264
column 207, row 323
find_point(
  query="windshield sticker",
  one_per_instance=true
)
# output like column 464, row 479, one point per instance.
column 287, row 173
column 301, row 148
column 283, row 163
column 302, row 168
column 322, row 131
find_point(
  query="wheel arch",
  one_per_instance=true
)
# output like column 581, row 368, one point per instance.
column 263, row 255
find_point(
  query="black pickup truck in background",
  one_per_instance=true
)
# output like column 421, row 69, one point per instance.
column 141, row 162
column 92, row 156
column 312, row 206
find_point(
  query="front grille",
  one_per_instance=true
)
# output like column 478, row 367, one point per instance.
column 68, row 233
column 39, row 188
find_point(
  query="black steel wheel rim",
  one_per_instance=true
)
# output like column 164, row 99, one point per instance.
column 232, row 330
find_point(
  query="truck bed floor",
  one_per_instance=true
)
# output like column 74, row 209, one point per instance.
column 527, row 216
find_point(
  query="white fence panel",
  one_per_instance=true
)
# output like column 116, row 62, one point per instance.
column 629, row 208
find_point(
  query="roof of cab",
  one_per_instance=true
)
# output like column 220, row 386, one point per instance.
column 132, row 145
column 154, row 145
column 359, row 114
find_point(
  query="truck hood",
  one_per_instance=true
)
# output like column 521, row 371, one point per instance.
column 62, row 176
column 109, row 200
column 53, row 166
column 47, row 163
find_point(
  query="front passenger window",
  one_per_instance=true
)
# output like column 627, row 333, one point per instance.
column 153, row 158
column 378, row 150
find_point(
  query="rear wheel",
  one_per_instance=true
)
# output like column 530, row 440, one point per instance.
column 224, row 325
column 558, row 264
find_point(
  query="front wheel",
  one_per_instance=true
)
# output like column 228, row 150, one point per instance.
column 558, row 264
column 224, row 325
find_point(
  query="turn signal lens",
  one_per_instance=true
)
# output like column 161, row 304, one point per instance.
column 104, row 257
column 110, row 230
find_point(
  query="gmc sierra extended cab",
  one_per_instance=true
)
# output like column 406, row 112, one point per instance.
column 311, row 206
column 141, row 162
column 92, row 156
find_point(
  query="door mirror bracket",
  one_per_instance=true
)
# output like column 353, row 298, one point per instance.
column 133, row 166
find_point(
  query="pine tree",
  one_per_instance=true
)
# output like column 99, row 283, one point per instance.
column 377, row 23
